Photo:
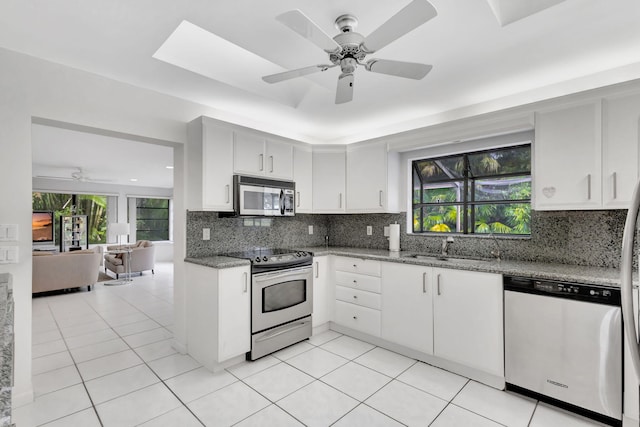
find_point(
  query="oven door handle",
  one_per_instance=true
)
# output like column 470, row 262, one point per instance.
column 257, row 278
column 282, row 331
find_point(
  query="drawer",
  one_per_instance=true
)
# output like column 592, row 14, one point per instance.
column 356, row 265
column 359, row 318
column 359, row 281
column 358, row 297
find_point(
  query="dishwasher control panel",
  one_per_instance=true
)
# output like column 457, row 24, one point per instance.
column 578, row 291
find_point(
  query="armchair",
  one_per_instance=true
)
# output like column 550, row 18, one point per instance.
column 142, row 258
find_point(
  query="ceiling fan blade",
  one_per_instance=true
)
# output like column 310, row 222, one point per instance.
column 409, row 70
column 301, row 24
column 275, row 78
column 344, row 92
column 412, row 16
column 63, row 178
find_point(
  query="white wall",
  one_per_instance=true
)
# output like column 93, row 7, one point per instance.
column 29, row 88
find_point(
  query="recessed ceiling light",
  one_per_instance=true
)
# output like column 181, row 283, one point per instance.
column 133, row 179
column 169, row 167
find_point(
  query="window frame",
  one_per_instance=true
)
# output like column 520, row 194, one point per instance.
column 133, row 212
column 467, row 203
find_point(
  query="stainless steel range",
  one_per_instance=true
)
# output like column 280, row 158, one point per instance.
column 281, row 298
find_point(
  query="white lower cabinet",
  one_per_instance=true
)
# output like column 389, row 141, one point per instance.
column 321, row 282
column 359, row 318
column 219, row 315
column 452, row 314
column 357, row 294
column 468, row 325
column 407, row 305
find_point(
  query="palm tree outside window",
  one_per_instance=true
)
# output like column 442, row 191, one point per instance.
column 474, row 193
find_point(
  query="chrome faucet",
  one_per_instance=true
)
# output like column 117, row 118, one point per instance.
column 445, row 245
column 496, row 253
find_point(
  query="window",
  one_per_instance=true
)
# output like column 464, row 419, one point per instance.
column 481, row 192
column 152, row 219
column 94, row 206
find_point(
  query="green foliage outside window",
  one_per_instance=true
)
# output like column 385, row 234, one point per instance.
column 480, row 192
column 152, row 219
column 94, row 206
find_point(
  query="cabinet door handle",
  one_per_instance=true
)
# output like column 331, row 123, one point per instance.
column 615, row 185
column 380, row 198
column 438, row 283
column 589, row 187
column 271, row 158
column 340, row 200
column 355, row 297
column 298, row 197
column 355, row 317
column 261, row 162
column 424, row 282
column 317, row 269
column 246, row 282
column 355, row 282
column 228, row 188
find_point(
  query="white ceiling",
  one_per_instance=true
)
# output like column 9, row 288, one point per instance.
column 58, row 153
column 475, row 59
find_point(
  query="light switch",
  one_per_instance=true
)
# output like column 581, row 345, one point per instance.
column 8, row 254
column 206, row 234
column 369, row 230
column 9, row 232
column 311, row 229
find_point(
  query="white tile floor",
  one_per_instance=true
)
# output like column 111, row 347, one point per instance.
column 104, row 358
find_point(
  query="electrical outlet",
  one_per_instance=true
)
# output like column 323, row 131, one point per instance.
column 369, row 230
column 311, row 229
column 386, row 231
column 206, row 234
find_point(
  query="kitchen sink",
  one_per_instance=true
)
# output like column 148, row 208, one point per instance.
column 452, row 260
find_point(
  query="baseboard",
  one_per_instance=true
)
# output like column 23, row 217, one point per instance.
column 178, row 346
column 21, row 399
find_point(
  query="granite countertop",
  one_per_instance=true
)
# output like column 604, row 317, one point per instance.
column 537, row 270
column 219, row 261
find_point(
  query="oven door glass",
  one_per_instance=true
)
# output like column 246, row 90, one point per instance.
column 283, row 295
column 279, row 297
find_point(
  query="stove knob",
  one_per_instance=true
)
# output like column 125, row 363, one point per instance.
column 257, row 259
column 265, row 259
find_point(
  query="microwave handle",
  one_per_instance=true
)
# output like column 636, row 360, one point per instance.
column 281, row 202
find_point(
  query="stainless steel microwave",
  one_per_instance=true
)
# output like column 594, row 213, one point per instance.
column 255, row 196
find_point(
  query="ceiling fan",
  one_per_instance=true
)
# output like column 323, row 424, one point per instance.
column 77, row 175
column 349, row 49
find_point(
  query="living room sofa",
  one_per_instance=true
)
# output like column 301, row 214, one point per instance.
column 54, row 271
column 142, row 258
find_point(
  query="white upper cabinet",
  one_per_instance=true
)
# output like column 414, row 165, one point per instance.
column 372, row 179
column 567, row 158
column 329, row 181
column 256, row 155
column 303, row 177
column 209, row 166
column 620, row 157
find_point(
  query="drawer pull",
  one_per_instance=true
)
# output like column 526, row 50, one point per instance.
column 355, row 297
column 355, row 265
column 424, row 283
column 355, row 317
column 355, row 282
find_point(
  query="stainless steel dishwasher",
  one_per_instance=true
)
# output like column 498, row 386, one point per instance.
column 563, row 344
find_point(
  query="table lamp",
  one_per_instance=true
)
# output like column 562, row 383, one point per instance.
column 119, row 229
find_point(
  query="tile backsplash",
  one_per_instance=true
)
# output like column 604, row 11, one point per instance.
column 568, row 237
